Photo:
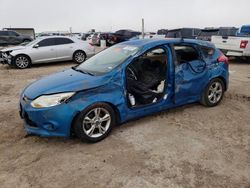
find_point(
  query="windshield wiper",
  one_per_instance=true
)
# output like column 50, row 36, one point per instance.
column 83, row 71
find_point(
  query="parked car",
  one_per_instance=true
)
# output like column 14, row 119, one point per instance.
column 147, row 35
column 188, row 33
column 89, row 38
column 233, row 46
column 207, row 33
column 162, row 32
column 27, row 32
column 85, row 36
column 244, row 31
column 12, row 38
column 121, row 36
column 54, row 33
column 47, row 49
column 126, row 81
column 96, row 38
column 77, row 35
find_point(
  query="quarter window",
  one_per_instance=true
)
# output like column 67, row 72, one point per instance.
column 60, row 41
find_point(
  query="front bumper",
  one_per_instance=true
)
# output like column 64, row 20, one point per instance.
column 5, row 58
column 47, row 122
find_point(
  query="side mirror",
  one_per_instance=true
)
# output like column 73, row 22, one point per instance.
column 36, row 46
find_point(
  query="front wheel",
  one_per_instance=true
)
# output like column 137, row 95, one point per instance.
column 95, row 122
column 213, row 93
column 22, row 61
column 79, row 56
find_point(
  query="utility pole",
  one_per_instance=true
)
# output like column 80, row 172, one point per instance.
column 70, row 30
column 142, row 28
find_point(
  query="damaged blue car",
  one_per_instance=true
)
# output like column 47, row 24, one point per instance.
column 124, row 82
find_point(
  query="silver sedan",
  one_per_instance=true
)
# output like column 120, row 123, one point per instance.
column 48, row 49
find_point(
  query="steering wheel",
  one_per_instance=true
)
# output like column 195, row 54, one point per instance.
column 131, row 73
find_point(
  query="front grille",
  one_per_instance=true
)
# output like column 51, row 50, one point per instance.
column 29, row 121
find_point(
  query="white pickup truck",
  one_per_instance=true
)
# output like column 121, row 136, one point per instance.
column 237, row 46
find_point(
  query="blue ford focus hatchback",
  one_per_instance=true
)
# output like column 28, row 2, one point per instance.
column 126, row 81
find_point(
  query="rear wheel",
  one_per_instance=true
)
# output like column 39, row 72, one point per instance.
column 79, row 56
column 95, row 122
column 213, row 93
column 22, row 61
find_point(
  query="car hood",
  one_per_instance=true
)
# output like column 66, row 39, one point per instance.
column 65, row 81
column 13, row 48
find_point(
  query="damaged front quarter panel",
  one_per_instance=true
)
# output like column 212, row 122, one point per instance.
column 112, row 92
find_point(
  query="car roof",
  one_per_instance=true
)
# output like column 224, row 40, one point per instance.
column 156, row 42
column 55, row 36
column 184, row 28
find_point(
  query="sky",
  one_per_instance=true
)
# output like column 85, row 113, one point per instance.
column 112, row 15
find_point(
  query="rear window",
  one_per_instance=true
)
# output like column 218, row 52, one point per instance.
column 208, row 33
column 228, row 32
column 60, row 41
column 245, row 29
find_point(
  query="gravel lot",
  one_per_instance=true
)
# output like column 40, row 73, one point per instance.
column 190, row 146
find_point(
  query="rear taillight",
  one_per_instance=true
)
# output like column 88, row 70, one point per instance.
column 222, row 59
column 243, row 44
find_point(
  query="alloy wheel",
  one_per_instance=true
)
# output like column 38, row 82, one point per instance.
column 22, row 62
column 96, row 122
column 215, row 92
column 79, row 57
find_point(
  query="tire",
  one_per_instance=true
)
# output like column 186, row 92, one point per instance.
column 94, row 123
column 213, row 94
column 248, row 59
column 22, row 61
column 79, row 56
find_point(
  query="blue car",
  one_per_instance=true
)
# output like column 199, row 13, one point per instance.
column 126, row 81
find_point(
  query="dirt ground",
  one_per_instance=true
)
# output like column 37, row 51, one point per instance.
column 190, row 146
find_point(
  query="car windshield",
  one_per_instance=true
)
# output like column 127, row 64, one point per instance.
column 108, row 59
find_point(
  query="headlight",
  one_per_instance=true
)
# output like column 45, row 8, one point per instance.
column 51, row 100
